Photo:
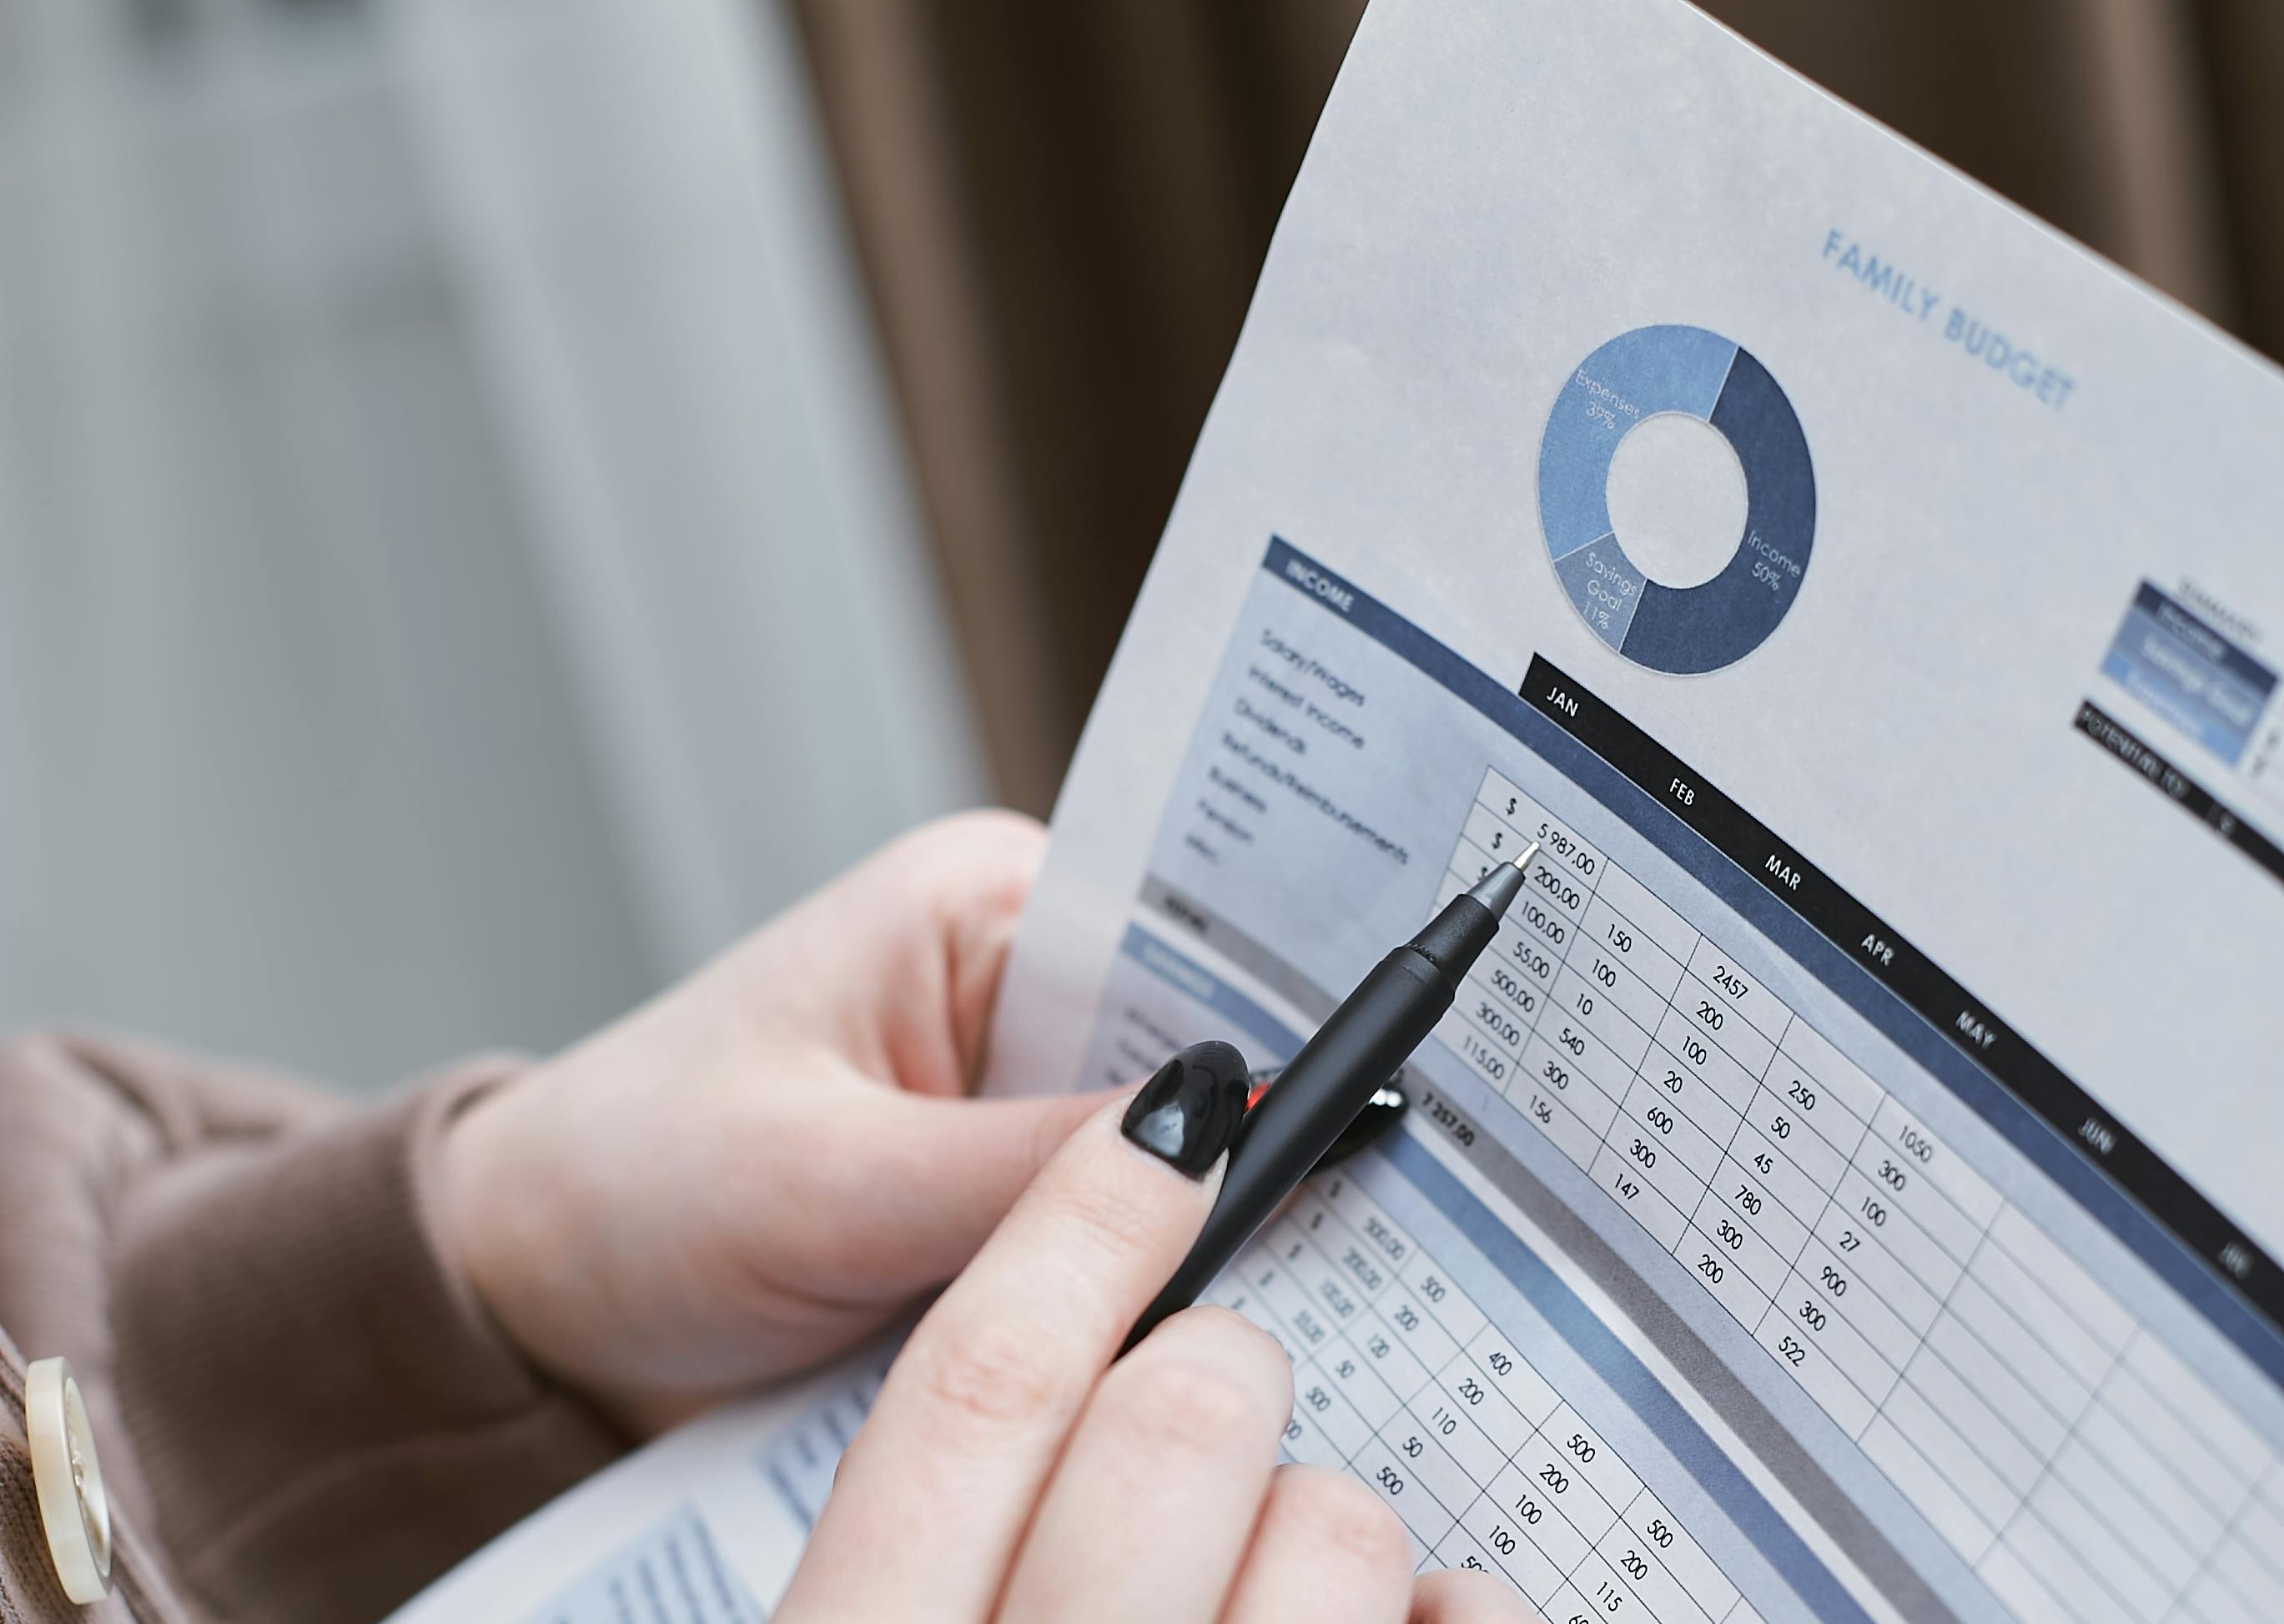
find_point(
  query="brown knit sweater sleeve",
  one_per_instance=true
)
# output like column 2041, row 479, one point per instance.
column 305, row 1412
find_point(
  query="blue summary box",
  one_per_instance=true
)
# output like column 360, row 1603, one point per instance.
column 2189, row 674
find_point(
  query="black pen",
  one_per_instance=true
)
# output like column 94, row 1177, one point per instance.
column 1360, row 1047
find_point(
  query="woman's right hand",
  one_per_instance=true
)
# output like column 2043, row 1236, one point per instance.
column 1011, row 1472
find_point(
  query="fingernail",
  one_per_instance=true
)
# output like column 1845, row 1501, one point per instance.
column 1188, row 1113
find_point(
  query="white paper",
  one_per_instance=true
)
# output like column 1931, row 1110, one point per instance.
column 1724, row 1271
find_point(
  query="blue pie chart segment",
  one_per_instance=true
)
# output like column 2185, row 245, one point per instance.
column 1634, row 377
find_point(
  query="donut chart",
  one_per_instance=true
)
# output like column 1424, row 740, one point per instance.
column 1682, row 630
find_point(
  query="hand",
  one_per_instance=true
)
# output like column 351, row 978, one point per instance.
column 1010, row 1472
column 765, row 1163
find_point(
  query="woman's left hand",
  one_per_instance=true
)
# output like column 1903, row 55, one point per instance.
column 763, row 1163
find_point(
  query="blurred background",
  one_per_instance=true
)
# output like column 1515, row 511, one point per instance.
column 497, row 495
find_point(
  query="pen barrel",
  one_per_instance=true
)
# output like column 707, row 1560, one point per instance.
column 1335, row 1075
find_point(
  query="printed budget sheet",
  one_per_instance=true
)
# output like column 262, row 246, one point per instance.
column 1848, row 1190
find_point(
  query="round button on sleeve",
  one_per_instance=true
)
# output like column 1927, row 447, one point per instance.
column 69, row 1480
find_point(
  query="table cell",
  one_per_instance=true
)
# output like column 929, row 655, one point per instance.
column 1549, row 1469
column 2018, row 1348
column 2253, row 1574
column 1831, row 1074
column 1926, row 1487
column 1895, row 1178
column 1543, row 921
column 1403, row 1314
column 2087, row 1537
column 2150, row 1415
column 1636, row 1562
column 1363, row 1214
column 2214, row 1600
column 1973, row 1415
column 1548, row 1065
column 1840, row 1398
column 1804, row 1306
column 1610, row 1597
column 1459, row 1427
column 1376, row 1340
column 1346, row 1368
column 1809, row 1150
column 1558, row 888
column 1856, row 1244
column 1317, row 1401
column 1307, row 1443
column 1391, row 1479
column 1429, row 1465
column 1644, row 909
column 2113, row 1325
column 1508, row 798
column 1509, row 1543
column 2027, row 1415
column 1808, row 1102
column 1872, row 1208
column 1611, row 932
column 1631, row 1188
column 1490, row 1016
column 1612, row 984
column 2064, row 1334
column 1740, row 991
column 1592, row 1455
column 1526, row 951
column 1956, row 1457
column 1719, row 1270
column 1682, row 1557
column 1369, row 1273
column 2021, row 1592
column 1492, row 977
column 1637, row 1143
column 1578, row 1048
column 1740, row 1189
column 1717, row 1217
column 1490, row 1062
column 1493, row 1352
column 1562, row 849
column 1968, row 1190
column 1700, row 1104
column 2242, row 1452
column 2181, row 1505
column 1535, row 1509
column 1655, row 1109
column 1844, row 1291
column 2121, row 1506
column 1499, row 841
column 1706, row 1059
column 1460, row 1550
column 1800, row 1195
column 1326, row 1286
column 1710, row 1013
column 1453, row 1308
column 1551, row 1115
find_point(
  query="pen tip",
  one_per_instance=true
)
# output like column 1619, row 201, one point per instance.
column 1523, row 858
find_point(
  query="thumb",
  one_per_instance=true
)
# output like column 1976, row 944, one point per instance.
column 939, row 1174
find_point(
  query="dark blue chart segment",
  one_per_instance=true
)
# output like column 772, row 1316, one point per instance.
column 1634, row 377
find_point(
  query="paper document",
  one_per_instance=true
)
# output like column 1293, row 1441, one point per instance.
column 1847, row 1190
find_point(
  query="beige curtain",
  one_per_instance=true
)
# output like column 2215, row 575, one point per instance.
column 1061, row 208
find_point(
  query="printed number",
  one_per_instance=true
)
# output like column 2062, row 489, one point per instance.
column 1499, row 1026
column 1501, row 1542
column 1607, row 974
column 1541, row 1111
column 1560, row 1076
column 1514, row 991
column 1621, row 938
column 1555, row 1479
column 1812, row 1317
column 1750, row 1202
column 1834, row 1281
column 1431, row 1288
column 1579, row 1447
column 1763, row 1163
column 1635, row 1565
column 1710, row 1267
column 1660, row 1535
column 1527, row 1509
column 1802, row 1095
column 1293, row 1428
column 1532, row 960
column 1693, row 1052
column 1500, row 1363
column 1493, row 1063
column 1729, row 981
column 1413, row 1446
column 1390, row 1480
column 1921, row 1147
column 1875, row 1214
column 1790, row 1351
column 1444, row 1421
column 1573, row 1041
column 1625, row 1186
column 1732, row 1237
column 1711, row 1016
column 1318, row 1399
column 1378, row 1347
column 1892, row 1176
column 1585, row 1003
column 1781, row 1127
column 1659, row 1117
column 1643, row 1154
column 1472, row 1563
column 1471, row 1390
column 1672, row 1080
column 1407, row 1317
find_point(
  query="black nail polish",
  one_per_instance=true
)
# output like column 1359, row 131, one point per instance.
column 1188, row 1113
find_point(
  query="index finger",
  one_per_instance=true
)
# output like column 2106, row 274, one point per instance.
column 933, row 1495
